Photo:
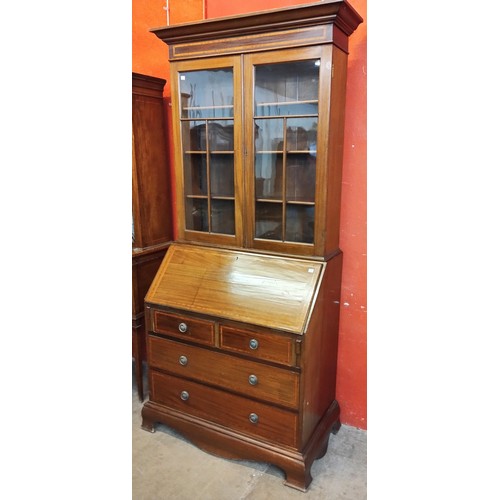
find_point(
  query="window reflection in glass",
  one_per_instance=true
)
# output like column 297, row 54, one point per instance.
column 207, row 93
column 289, row 88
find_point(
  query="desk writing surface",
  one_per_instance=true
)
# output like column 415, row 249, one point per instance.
column 274, row 292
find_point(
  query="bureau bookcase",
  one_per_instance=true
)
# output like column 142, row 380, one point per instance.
column 242, row 316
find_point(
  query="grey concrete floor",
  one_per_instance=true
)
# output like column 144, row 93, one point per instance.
column 166, row 466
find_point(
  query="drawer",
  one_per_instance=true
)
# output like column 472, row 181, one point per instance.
column 250, row 378
column 198, row 330
column 231, row 411
column 267, row 346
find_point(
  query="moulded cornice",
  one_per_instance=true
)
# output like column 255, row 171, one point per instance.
column 148, row 82
column 337, row 12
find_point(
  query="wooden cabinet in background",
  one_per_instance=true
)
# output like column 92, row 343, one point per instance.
column 151, row 217
column 242, row 316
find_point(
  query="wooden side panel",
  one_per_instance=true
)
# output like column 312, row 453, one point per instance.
column 336, row 149
column 323, row 165
column 319, row 356
column 144, row 268
column 151, row 186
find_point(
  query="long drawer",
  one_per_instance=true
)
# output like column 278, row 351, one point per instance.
column 235, row 412
column 250, row 378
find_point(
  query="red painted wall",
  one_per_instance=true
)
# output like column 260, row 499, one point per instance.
column 148, row 52
column 221, row 8
column 149, row 56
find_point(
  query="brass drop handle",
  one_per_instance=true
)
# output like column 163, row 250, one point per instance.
column 252, row 379
column 254, row 343
column 183, row 328
column 184, row 395
column 183, row 360
column 253, row 417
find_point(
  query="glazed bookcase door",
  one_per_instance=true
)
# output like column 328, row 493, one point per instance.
column 208, row 139
column 287, row 109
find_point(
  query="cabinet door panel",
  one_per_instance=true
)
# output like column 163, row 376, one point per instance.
column 285, row 129
column 208, row 169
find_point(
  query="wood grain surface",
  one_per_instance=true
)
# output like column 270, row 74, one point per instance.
column 274, row 292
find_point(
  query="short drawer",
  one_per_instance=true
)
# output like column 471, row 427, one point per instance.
column 250, row 378
column 234, row 412
column 267, row 346
column 199, row 330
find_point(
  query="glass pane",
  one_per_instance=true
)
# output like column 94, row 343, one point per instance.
column 287, row 88
column 221, row 135
column 268, row 221
column 268, row 135
column 222, row 174
column 300, row 177
column 301, row 134
column 195, row 174
column 269, row 175
column 300, row 223
column 223, row 216
column 194, row 135
column 197, row 214
column 207, row 93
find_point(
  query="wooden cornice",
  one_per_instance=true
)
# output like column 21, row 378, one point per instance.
column 147, row 82
column 335, row 12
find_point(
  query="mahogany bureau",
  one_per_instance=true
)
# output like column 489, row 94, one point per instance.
column 242, row 315
column 241, row 360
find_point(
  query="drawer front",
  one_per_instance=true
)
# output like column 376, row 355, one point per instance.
column 231, row 411
column 250, row 378
column 198, row 330
column 265, row 346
